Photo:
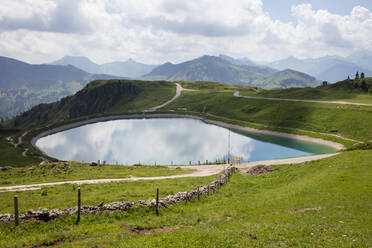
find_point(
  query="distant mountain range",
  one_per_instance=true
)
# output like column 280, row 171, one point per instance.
column 129, row 68
column 24, row 85
column 228, row 70
column 329, row 68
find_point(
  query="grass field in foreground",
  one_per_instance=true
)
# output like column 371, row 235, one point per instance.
column 64, row 196
column 57, row 172
column 325, row 203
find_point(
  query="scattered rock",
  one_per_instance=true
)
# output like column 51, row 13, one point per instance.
column 93, row 164
column 5, row 168
column 257, row 170
column 252, row 236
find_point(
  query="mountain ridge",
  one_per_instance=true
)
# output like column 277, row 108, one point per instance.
column 216, row 69
column 329, row 68
column 129, row 68
column 24, row 85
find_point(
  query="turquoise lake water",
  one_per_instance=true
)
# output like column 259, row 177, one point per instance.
column 168, row 141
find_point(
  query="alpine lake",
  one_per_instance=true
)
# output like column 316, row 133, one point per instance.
column 167, row 141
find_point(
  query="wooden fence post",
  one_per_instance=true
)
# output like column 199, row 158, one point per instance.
column 78, row 206
column 157, row 201
column 198, row 193
column 16, row 213
column 208, row 189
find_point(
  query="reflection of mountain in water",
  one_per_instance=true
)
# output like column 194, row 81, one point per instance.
column 162, row 141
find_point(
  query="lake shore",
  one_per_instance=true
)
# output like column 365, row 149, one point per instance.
column 334, row 145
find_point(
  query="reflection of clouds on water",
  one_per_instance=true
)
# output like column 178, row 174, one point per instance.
column 150, row 140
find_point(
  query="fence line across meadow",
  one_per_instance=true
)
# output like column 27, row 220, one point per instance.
column 47, row 215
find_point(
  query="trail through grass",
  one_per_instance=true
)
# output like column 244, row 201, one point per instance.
column 324, row 203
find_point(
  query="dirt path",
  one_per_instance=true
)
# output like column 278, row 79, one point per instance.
column 179, row 89
column 201, row 171
column 24, row 153
column 237, row 94
column 287, row 160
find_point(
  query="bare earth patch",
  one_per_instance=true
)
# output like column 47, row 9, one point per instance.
column 304, row 210
column 148, row 231
column 257, row 170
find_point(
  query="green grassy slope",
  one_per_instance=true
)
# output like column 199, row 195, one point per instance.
column 100, row 97
column 24, row 85
column 216, row 99
column 11, row 156
column 349, row 121
column 322, row 203
column 58, row 171
column 325, row 203
column 349, row 90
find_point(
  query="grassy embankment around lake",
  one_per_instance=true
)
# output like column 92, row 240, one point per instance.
column 323, row 203
column 211, row 100
column 346, row 120
column 131, row 96
column 58, row 172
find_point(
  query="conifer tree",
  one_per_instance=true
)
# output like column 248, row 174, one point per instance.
column 357, row 75
column 362, row 75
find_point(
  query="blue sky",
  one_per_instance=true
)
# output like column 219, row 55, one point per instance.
column 156, row 31
column 281, row 9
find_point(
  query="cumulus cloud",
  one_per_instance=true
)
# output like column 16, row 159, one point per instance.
column 64, row 16
column 167, row 30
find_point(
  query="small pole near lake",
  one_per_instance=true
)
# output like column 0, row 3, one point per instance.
column 228, row 149
column 16, row 213
column 78, row 206
column 157, row 202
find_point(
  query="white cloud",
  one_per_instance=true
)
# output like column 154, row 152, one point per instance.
column 167, row 30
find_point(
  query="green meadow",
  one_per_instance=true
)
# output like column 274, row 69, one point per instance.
column 324, row 203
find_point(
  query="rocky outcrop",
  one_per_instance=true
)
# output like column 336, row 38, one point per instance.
column 44, row 214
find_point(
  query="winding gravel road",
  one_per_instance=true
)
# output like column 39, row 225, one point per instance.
column 201, row 171
column 179, row 89
column 237, row 94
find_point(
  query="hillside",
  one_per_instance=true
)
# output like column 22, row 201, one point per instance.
column 329, row 68
column 129, row 68
column 24, row 85
column 360, row 89
column 286, row 79
column 292, row 202
column 100, row 97
column 216, row 69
